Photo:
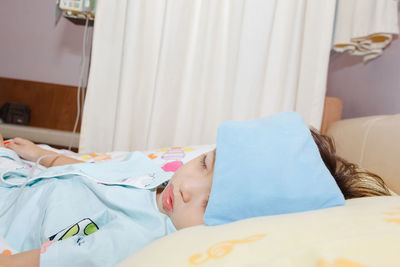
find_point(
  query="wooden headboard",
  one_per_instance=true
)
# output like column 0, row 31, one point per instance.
column 332, row 112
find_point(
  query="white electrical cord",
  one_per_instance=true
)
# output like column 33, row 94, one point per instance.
column 28, row 179
column 80, row 92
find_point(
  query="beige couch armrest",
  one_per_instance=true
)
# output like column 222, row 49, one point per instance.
column 372, row 143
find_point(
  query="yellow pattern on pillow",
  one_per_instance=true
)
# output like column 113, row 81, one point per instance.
column 339, row 263
column 393, row 213
column 222, row 249
column 364, row 231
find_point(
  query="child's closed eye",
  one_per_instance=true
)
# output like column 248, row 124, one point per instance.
column 203, row 161
column 204, row 203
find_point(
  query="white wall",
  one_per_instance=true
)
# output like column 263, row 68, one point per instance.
column 33, row 48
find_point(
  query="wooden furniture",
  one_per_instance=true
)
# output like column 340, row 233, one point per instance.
column 52, row 106
column 53, row 111
column 332, row 112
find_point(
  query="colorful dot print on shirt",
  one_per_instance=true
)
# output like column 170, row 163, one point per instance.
column 6, row 252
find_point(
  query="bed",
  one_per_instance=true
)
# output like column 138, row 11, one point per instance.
column 364, row 232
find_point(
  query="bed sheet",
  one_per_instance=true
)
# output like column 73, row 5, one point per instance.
column 169, row 158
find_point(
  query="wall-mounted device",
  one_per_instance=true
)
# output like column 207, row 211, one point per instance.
column 77, row 8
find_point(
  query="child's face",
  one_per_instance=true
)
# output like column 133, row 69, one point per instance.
column 185, row 198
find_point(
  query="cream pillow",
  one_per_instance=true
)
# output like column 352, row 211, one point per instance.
column 364, row 232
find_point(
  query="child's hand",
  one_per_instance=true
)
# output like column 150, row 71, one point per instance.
column 26, row 149
column 26, row 258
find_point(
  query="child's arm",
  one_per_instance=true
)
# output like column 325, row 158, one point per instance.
column 29, row 151
column 27, row 258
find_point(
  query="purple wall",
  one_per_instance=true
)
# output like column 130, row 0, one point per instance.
column 33, row 48
column 367, row 89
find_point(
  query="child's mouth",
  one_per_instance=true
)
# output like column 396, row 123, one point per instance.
column 168, row 197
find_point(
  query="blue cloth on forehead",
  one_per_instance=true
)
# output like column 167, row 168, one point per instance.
column 266, row 167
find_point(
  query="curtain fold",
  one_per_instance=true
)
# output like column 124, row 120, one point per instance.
column 169, row 72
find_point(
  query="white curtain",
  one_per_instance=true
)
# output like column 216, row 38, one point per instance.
column 169, row 72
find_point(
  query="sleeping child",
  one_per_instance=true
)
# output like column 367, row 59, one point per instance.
column 97, row 214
